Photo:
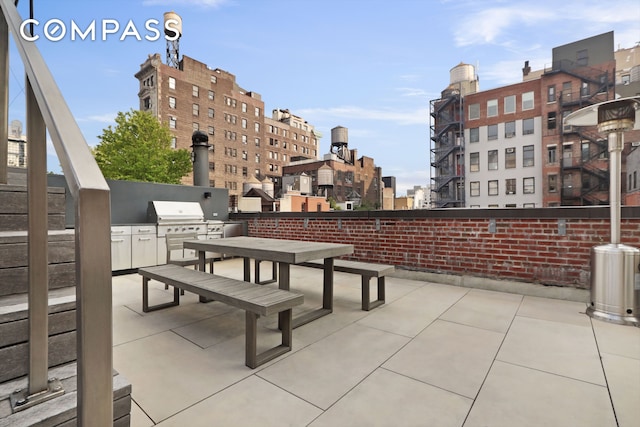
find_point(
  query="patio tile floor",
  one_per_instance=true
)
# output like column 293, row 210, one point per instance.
column 434, row 355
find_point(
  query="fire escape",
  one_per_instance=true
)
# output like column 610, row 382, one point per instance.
column 447, row 150
column 589, row 171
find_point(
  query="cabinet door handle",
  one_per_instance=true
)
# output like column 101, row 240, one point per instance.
column 117, row 240
column 144, row 239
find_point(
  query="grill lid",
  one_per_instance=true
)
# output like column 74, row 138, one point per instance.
column 171, row 211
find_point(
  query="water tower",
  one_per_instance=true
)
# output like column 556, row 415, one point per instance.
column 173, row 32
column 340, row 143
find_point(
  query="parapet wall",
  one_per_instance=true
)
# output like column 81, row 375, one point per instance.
column 549, row 246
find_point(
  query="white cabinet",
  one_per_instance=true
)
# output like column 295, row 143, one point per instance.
column 143, row 246
column 120, row 248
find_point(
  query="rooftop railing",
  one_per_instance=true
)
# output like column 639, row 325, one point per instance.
column 47, row 110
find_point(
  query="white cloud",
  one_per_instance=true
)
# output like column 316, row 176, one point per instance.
column 407, row 117
column 487, row 26
column 108, row 118
column 411, row 91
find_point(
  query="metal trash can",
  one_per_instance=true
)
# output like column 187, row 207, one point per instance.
column 615, row 284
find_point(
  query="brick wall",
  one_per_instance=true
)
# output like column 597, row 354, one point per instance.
column 528, row 245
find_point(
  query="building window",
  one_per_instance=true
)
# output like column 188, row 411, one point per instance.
column 527, row 101
column 493, row 160
column 510, row 158
column 195, row 90
column 257, row 141
column 147, row 103
column 474, row 188
column 210, row 130
column 553, row 183
column 212, row 95
column 474, row 162
column 551, row 120
column 492, row 132
column 527, row 127
column 492, row 108
column 245, row 155
column 172, row 83
column 474, row 111
column 582, row 57
column 257, row 112
column 244, row 139
column 551, row 93
column 172, row 102
column 509, row 129
column 174, row 142
column 528, row 185
column 474, row 135
column 510, row 185
column 214, row 79
column 244, row 107
column 196, row 109
column 256, row 127
column 509, row 104
column 172, row 123
column 626, row 79
column 211, row 113
column 528, row 156
column 585, row 152
column 584, row 89
column 195, row 126
column 552, row 155
column 493, row 188
column 244, row 123
column 212, row 166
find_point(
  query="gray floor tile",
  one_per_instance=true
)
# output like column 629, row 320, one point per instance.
column 485, row 309
column 323, row 372
column 388, row 399
column 623, row 378
column 623, row 340
column 555, row 310
column 138, row 417
column 410, row 314
column 251, row 402
column 554, row 347
column 523, row 397
column 169, row 373
column 448, row 355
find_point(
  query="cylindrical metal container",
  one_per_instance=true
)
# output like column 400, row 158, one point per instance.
column 615, row 284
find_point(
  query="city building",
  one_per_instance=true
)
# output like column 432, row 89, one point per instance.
column 508, row 146
column 244, row 140
column 17, row 146
column 503, row 141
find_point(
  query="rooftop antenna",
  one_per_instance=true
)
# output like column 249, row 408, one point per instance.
column 173, row 31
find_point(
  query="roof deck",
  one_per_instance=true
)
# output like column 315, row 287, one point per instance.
column 433, row 355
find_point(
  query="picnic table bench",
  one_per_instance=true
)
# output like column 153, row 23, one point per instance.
column 366, row 270
column 256, row 300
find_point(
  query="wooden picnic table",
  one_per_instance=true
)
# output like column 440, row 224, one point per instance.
column 283, row 252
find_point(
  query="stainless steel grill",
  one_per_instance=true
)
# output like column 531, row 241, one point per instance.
column 175, row 217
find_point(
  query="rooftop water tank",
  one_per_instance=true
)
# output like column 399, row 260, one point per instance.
column 325, row 176
column 462, row 73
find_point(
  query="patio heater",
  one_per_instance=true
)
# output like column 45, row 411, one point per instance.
column 615, row 268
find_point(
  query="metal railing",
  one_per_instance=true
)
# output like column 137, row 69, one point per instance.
column 47, row 110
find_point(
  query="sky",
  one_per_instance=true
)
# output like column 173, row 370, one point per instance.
column 371, row 66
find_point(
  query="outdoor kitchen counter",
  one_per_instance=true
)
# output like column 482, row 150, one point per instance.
column 283, row 252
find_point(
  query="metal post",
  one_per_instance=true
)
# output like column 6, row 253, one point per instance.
column 200, row 146
column 37, row 241
column 4, row 98
column 616, row 142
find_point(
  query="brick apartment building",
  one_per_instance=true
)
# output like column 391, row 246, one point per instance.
column 488, row 149
column 244, row 141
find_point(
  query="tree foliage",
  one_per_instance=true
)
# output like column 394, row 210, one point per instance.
column 138, row 148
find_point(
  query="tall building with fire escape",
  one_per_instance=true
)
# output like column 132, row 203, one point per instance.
column 574, row 167
column 447, row 138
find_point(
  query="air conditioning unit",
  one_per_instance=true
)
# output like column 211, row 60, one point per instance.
column 511, row 150
column 510, row 135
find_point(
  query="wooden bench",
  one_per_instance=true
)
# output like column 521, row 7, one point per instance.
column 256, row 300
column 366, row 270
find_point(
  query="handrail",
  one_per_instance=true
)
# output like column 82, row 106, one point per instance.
column 93, row 220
